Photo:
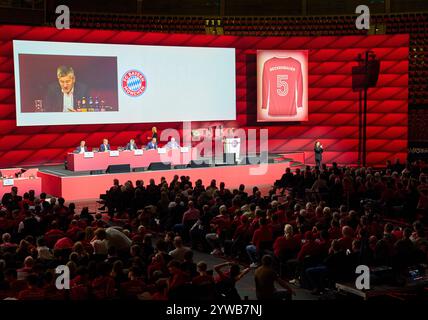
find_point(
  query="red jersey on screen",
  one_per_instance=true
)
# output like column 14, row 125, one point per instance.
column 282, row 88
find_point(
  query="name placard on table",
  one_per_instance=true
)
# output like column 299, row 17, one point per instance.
column 8, row 182
column 184, row 149
column 88, row 155
column 161, row 150
column 138, row 152
column 114, row 153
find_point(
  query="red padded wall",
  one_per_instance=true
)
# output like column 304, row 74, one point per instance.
column 333, row 106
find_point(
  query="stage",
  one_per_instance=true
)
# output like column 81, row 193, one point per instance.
column 78, row 186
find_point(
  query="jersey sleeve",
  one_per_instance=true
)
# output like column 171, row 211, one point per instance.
column 299, row 84
column 265, row 85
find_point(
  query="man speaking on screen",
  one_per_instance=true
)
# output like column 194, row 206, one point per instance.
column 63, row 95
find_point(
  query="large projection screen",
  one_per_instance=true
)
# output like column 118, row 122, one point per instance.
column 121, row 83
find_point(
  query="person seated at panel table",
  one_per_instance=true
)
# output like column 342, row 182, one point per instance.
column 131, row 145
column 172, row 144
column 152, row 144
column 105, row 146
column 81, row 148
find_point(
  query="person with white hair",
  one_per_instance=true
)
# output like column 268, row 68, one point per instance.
column 172, row 144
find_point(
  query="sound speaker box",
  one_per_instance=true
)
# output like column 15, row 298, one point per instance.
column 159, row 166
column 118, row 168
column 194, row 164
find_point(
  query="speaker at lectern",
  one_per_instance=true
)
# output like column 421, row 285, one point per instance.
column 232, row 145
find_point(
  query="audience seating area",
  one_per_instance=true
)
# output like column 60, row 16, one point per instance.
column 315, row 225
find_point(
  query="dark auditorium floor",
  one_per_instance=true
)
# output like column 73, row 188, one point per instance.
column 245, row 286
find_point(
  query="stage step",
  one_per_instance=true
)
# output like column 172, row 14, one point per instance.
column 295, row 164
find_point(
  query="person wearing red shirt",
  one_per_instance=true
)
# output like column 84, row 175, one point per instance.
column 103, row 285
column 235, row 206
column 50, row 289
column 203, row 277
column 32, row 292
column 235, row 219
column 63, row 243
column 80, row 284
column 334, row 230
column 134, row 286
column 398, row 233
column 220, row 223
column 192, row 214
column 138, row 237
column 286, row 247
column 26, row 269
column 189, row 219
column 280, row 212
column 161, row 288
column 14, row 285
column 347, row 237
column 7, row 245
column 6, row 221
column 262, row 235
column 241, row 237
column 324, row 244
column 275, row 227
column 53, row 235
column 309, row 248
column 73, row 230
column 177, row 279
column 362, row 227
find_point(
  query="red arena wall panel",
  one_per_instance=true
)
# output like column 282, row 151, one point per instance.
column 333, row 106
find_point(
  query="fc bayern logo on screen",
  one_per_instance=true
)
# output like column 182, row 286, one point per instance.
column 134, row 83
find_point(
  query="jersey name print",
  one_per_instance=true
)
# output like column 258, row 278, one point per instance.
column 282, row 86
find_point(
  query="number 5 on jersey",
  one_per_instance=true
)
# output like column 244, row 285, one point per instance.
column 281, row 84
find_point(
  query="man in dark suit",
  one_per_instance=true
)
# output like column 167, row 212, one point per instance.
column 318, row 150
column 81, row 148
column 105, row 146
column 287, row 179
column 63, row 96
column 11, row 199
column 152, row 144
column 131, row 145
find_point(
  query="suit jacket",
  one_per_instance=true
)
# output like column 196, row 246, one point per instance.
column 77, row 150
column 103, row 148
column 151, row 145
column 128, row 146
column 318, row 153
column 172, row 145
column 54, row 98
